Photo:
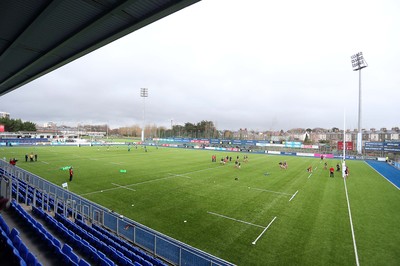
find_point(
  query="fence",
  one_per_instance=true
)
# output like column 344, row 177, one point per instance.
column 159, row 245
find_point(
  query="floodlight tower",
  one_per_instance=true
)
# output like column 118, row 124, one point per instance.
column 358, row 62
column 144, row 93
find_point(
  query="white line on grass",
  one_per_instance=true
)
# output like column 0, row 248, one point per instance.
column 123, row 187
column 233, row 219
column 294, row 195
column 135, row 184
column 45, row 162
column 309, row 175
column 116, row 163
column 265, row 229
column 351, row 223
column 185, row 176
column 265, row 190
column 99, row 191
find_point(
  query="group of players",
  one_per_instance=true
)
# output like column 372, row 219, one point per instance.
column 225, row 160
column 331, row 169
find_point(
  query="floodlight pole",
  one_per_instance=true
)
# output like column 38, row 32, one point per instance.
column 144, row 92
column 359, row 63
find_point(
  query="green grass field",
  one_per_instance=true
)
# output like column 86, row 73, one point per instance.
column 165, row 187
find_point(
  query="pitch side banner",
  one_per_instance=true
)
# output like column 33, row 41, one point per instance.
column 293, row 144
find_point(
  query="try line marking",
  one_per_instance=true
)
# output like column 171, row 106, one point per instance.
column 351, row 224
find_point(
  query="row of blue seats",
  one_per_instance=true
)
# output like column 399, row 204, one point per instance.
column 27, row 193
column 120, row 254
column 127, row 245
column 42, row 199
column 138, row 255
column 64, row 252
column 74, row 240
column 7, row 249
column 101, row 246
column 119, row 251
column 121, row 244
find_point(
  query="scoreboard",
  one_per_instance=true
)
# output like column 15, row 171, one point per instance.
column 383, row 146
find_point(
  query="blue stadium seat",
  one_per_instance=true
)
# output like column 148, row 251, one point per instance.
column 13, row 233
column 66, row 249
column 18, row 257
column 31, row 259
column 83, row 262
column 16, row 240
column 74, row 257
column 4, row 226
column 23, row 251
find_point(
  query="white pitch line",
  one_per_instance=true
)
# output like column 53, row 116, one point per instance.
column 309, row 175
column 185, row 176
column 265, row 229
column 265, row 190
column 115, row 163
column 233, row 219
column 45, row 162
column 351, row 224
column 99, row 191
column 315, row 168
column 294, row 195
column 123, row 187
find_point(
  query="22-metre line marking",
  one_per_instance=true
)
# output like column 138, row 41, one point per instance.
column 265, row 229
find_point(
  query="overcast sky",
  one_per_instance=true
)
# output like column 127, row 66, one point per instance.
column 261, row 65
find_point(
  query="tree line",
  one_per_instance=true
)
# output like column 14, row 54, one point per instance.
column 15, row 125
column 203, row 129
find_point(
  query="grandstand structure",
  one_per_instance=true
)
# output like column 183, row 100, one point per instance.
column 47, row 225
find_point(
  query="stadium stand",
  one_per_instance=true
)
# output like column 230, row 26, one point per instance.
column 97, row 245
column 43, row 226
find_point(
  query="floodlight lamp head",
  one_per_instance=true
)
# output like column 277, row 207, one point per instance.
column 358, row 62
column 144, row 92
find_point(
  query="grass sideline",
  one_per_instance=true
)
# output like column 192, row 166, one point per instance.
column 165, row 187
